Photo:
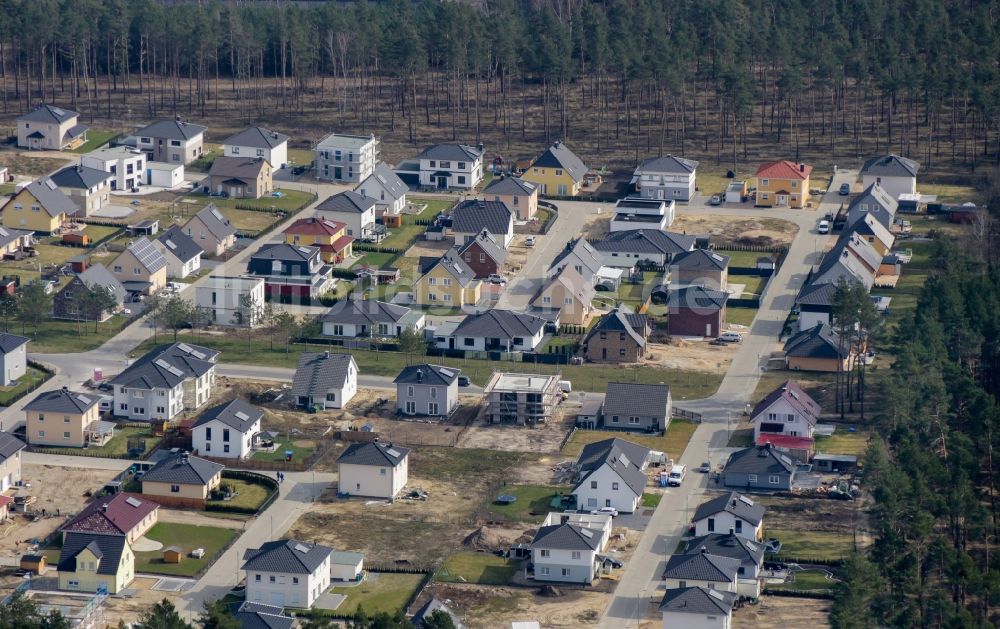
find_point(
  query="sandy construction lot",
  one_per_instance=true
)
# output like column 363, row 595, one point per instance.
column 547, row 437
column 487, row 607
column 764, row 231
column 691, row 355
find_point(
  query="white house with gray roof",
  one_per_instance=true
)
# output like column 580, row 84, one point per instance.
column 696, row 607
column 666, row 177
column 346, row 158
column 182, row 480
column 896, row 175
column 875, row 201
column 425, row 389
column 628, row 248
column 581, row 256
column 355, row 211
column 88, row 188
column 701, row 569
column 287, row 573
column 258, row 142
column 470, row 218
column 324, row 380
column 499, row 330
column 182, row 253
column 10, row 460
column 50, row 128
column 374, row 470
column 213, row 232
column 611, row 473
column 227, row 430
column 450, row 166
column 385, row 188
column 749, row 553
column 634, row 406
column 164, row 382
column 730, row 513
column 566, row 547
column 171, row 141
column 126, row 165
column 370, row 318
column 13, row 357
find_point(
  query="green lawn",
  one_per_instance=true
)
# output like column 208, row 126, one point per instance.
column 752, row 284
column 712, row 183
column 434, row 206
column 31, row 377
column 375, row 259
column 807, row 544
column 51, row 253
column 632, row 294
column 530, row 499
column 7, row 189
column 741, row 316
column 949, row 193
column 248, row 495
column 673, row 442
column 472, row 567
column 95, row 140
column 188, row 537
column 210, row 152
column 651, row 501
column 118, row 445
column 843, row 442
column 290, row 201
column 379, row 592
column 806, row 580
column 741, row 259
column 299, row 157
column 299, row 452
column 64, row 337
column 98, row 232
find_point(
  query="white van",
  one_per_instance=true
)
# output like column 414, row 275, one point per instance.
column 106, row 404
column 565, row 386
column 731, row 337
column 676, row 476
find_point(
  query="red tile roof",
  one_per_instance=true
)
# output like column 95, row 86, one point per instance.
column 787, row 442
column 312, row 226
column 123, row 513
column 783, row 169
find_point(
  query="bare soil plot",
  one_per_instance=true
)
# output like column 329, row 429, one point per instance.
column 777, row 612
column 32, row 165
column 762, row 231
column 487, row 607
column 691, row 355
column 128, row 610
column 547, row 437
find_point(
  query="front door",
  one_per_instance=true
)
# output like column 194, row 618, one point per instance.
column 782, row 200
column 659, row 193
column 337, row 172
column 442, row 182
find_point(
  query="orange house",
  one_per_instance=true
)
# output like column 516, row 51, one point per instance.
column 330, row 236
column 783, row 184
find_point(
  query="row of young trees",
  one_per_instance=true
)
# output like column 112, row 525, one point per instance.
column 620, row 78
column 931, row 467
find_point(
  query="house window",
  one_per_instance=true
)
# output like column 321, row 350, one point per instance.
column 739, row 526
column 614, row 486
column 236, row 150
column 41, row 417
column 621, row 351
column 447, row 297
column 225, row 434
column 593, row 484
column 434, row 392
column 565, row 572
column 461, row 179
column 576, row 554
column 256, row 578
column 790, row 417
column 542, row 571
column 174, row 489
column 208, row 447
column 633, row 420
column 614, row 419
column 208, row 433
column 773, row 479
column 461, row 165
column 295, row 580
column 381, row 471
column 546, row 300
column 432, row 281
column 682, row 584
column 763, row 183
column 271, row 578
column 752, row 478
column 445, row 164
column 711, row 525
column 65, row 435
column 41, row 433
column 468, row 342
column 544, row 553
column 409, row 391
column 411, row 407
column 118, row 268
column 225, row 447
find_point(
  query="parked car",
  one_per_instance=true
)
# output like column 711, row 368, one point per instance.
column 529, row 241
column 676, row 475
column 496, row 279
column 715, row 200
column 845, row 189
column 463, row 381
column 730, row 337
column 605, row 510
column 705, row 467
column 824, row 227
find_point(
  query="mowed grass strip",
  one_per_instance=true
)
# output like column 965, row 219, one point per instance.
column 187, row 537
column 532, row 502
column 386, row 592
column 672, row 443
column 802, row 544
column 476, row 567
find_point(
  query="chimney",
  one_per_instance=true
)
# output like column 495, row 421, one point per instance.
column 104, row 508
column 420, row 375
column 177, row 118
column 802, row 167
column 65, row 388
column 326, row 354
column 481, row 147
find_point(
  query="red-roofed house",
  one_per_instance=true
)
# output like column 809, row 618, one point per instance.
column 783, row 184
column 786, row 418
column 330, row 236
column 130, row 515
column 800, row 448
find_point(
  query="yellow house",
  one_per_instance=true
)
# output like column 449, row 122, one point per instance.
column 557, row 172
column 182, row 481
column 40, row 207
column 783, row 184
column 449, row 282
column 91, row 562
column 141, row 268
column 331, row 237
column 570, row 294
column 63, row 418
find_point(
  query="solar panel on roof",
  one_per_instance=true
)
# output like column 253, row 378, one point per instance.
column 447, row 373
column 171, row 245
column 51, row 184
column 83, row 398
column 586, row 532
column 304, row 250
column 133, row 502
column 623, row 459
column 240, row 415
column 380, row 178
column 218, row 214
column 301, row 548
column 393, row 452
column 58, row 112
column 715, row 594
column 199, row 355
column 184, row 347
column 746, row 501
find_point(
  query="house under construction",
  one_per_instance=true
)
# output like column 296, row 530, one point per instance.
column 521, row 398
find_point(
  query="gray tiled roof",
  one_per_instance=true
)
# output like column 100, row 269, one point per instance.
column 514, row 186
column 760, row 460
column 884, row 209
column 820, row 341
column 698, row 600
column 749, row 553
column 586, row 254
column 215, row 222
column 697, row 297
column 375, row 453
column 171, row 130
column 388, row 179
column 622, row 457
column 700, row 259
column 733, row 503
column 53, row 200
column 453, row 264
column 287, row 252
column 572, row 282
column 798, row 399
column 9, row 445
column 183, row 469
column 9, row 342
column 257, row 616
column 559, row 156
column 318, row 372
column 890, row 166
column 364, row 311
column 474, row 215
column 627, row 399
column 488, row 244
column 427, row 374
column 346, row 202
column 257, row 137
column 500, row 323
column 702, row 567
column 566, row 537
column 8, row 235
column 79, row 176
column 62, row 401
column 667, row 164
column 817, row 294
column 454, row 152
column 108, row 548
column 99, row 275
column 179, row 244
column 147, row 255
column 620, row 320
column 238, row 167
column 49, row 114
column 288, row 555
column 167, row 366
column 646, row 241
column 235, row 413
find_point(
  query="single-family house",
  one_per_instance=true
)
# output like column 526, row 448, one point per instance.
column 701, row 569
column 232, row 300
column 875, row 233
column 182, row 480
column 427, row 389
column 268, row 145
column 241, row 177
column 697, row 607
column 748, row 552
column 49, row 128
column 499, row 331
column 13, row 357
column 619, row 337
column 182, row 253
column 470, row 218
column 10, row 460
column 783, row 184
column 730, row 513
column 259, row 616
column 329, row 236
column 484, row 255
column 126, row 165
column 40, row 207
column 88, row 188
column 520, row 398
column 292, row 273
column 346, row 158
column 447, row 166
column 375, row 469
column 353, row 210
column 324, row 380
column 227, row 430
column 611, row 473
column 815, row 304
column 786, row 411
column 387, row 190
column 695, row 310
column 818, row 348
column 211, row 230
column 520, row 195
column 666, row 177
column 759, row 468
column 852, row 259
column 581, row 256
column 566, row 547
column 702, row 267
column 446, row 281
column 90, row 562
column 70, row 301
column 65, row 418
column 874, row 201
column 14, row 241
column 557, row 171
column 896, row 175
column 369, row 318
column 653, row 246
column 637, row 407
column 171, row 141
column 639, row 213
column 141, row 268
column 123, row 514
column 164, row 382
column 569, row 293
column 287, row 573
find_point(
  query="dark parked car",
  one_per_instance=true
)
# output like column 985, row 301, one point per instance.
column 463, row 381
column 845, row 189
